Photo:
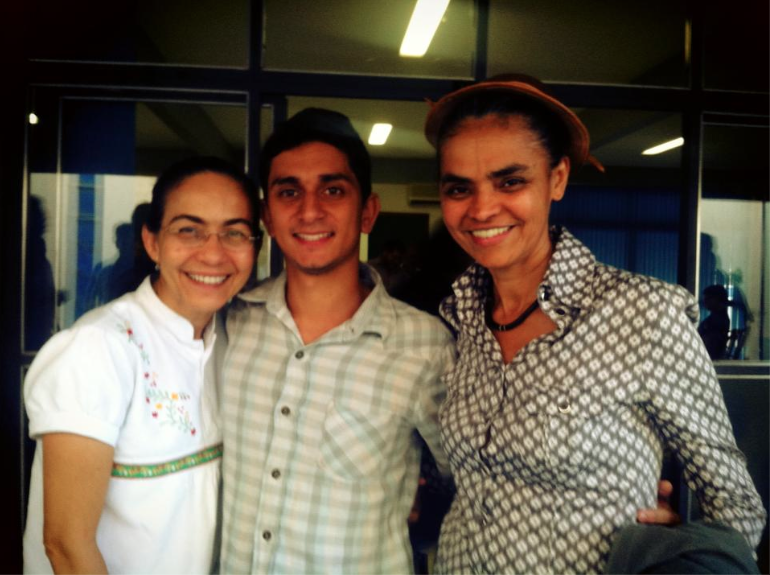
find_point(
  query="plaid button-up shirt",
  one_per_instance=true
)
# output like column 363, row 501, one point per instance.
column 321, row 462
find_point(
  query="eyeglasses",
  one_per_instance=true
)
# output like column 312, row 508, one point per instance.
column 193, row 236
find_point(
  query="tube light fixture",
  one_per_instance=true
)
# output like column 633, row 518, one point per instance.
column 33, row 119
column 379, row 134
column 425, row 20
column 664, row 147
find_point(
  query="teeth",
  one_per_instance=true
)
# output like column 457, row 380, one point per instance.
column 314, row 237
column 490, row 233
column 208, row 280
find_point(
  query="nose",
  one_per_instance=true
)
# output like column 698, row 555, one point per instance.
column 310, row 208
column 484, row 204
column 212, row 251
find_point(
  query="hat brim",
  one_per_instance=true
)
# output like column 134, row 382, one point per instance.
column 578, row 134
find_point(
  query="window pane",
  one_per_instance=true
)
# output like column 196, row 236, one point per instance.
column 628, row 216
column 630, row 42
column 266, row 122
column 364, row 36
column 84, row 220
column 734, row 242
column 204, row 32
column 736, row 46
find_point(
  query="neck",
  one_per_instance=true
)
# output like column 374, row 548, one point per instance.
column 199, row 322
column 199, row 327
column 515, row 287
column 319, row 303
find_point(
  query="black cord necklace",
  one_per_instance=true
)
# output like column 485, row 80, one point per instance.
column 509, row 326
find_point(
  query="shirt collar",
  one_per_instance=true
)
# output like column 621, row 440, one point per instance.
column 567, row 280
column 375, row 315
column 166, row 319
column 571, row 271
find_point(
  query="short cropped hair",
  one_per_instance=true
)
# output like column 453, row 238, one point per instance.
column 319, row 125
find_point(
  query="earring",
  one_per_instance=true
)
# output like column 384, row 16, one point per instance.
column 157, row 267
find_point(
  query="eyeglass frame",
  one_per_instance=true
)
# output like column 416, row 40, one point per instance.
column 202, row 238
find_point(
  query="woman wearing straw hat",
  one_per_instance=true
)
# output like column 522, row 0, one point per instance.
column 572, row 376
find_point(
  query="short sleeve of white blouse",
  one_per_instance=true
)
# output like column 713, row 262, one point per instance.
column 555, row 451
column 130, row 374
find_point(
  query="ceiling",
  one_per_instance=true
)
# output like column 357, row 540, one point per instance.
column 591, row 41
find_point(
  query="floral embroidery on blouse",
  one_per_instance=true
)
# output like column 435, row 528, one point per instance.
column 165, row 406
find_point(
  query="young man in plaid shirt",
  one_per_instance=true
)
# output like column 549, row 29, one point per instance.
column 327, row 378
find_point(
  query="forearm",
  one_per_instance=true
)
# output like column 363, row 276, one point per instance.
column 76, row 473
column 67, row 556
column 725, row 490
column 687, row 407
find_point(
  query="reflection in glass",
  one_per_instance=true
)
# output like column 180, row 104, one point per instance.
column 85, row 219
column 735, row 237
column 131, row 265
column 38, row 278
column 589, row 41
column 733, row 233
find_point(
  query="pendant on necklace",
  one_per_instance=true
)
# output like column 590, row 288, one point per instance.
column 493, row 325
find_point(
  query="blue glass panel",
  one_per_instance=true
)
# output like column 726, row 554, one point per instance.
column 609, row 246
column 656, row 254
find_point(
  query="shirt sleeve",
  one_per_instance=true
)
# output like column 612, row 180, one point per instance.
column 686, row 404
column 432, row 393
column 80, row 382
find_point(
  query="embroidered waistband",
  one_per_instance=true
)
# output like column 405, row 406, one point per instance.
column 158, row 469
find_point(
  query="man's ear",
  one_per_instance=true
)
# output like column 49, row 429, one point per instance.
column 150, row 241
column 369, row 213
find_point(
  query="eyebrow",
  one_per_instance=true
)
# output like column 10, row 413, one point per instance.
column 324, row 178
column 502, row 172
column 197, row 220
column 284, row 180
column 454, row 179
column 509, row 170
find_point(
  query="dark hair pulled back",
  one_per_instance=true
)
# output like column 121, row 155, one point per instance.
column 177, row 173
column 549, row 128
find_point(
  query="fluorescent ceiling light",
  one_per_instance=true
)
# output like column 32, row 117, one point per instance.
column 33, row 119
column 425, row 20
column 380, row 133
column 665, row 147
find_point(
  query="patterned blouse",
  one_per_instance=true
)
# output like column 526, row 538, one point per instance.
column 554, row 452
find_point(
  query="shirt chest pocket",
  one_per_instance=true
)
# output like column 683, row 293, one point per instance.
column 355, row 444
column 601, row 435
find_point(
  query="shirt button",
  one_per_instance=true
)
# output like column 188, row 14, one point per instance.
column 266, row 535
column 276, row 473
column 299, row 354
column 285, row 410
column 564, row 406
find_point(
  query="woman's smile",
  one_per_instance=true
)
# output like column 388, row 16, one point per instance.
column 496, row 191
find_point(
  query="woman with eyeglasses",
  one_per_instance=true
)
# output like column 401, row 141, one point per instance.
column 572, row 376
column 124, row 405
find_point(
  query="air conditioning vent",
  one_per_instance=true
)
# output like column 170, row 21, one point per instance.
column 422, row 194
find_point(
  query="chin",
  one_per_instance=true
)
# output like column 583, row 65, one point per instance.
column 209, row 304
